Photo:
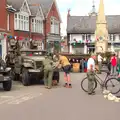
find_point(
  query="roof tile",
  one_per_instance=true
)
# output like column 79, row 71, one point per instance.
column 45, row 4
column 87, row 24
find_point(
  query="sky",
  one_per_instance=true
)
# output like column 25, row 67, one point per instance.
column 83, row 7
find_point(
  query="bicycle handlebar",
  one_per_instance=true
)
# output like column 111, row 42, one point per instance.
column 105, row 71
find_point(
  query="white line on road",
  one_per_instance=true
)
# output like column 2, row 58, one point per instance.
column 24, row 99
column 6, row 96
column 5, row 101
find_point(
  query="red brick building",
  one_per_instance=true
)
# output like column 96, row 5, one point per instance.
column 37, row 20
column 3, row 27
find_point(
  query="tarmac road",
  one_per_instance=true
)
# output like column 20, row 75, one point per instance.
column 37, row 103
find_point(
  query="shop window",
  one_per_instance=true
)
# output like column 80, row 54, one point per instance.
column 114, row 37
column 119, row 37
column 88, row 37
column 110, row 37
column 83, row 37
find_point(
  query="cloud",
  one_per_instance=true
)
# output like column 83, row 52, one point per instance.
column 83, row 7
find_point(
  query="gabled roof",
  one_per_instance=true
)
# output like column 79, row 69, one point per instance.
column 17, row 4
column 87, row 24
column 45, row 4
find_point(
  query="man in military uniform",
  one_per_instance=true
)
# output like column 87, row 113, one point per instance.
column 48, row 71
column 56, row 71
column 7, row 59
column 91, row 74
column 17, row 67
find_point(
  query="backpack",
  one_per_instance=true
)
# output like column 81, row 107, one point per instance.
column 114, row 61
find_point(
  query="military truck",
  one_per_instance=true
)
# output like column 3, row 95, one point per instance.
column 32, row 65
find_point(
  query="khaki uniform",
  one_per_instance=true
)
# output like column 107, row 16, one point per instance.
column 91, row 79
column 48, row 72
column 90, row 75
column 17, row 67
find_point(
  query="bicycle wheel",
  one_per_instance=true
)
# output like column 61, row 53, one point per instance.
column 113, row 85
column 84, row 84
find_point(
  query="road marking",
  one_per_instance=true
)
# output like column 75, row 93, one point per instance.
column 5, row 101
column 24, row 99
column 6, row 97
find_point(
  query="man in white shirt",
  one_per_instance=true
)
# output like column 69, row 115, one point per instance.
column 90, row 73
column 100, row 63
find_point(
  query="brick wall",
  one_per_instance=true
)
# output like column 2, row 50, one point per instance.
column 3, row 15
column 53, row 12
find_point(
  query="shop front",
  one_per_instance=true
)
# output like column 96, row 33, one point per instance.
column 53, row 43
column 90, row 48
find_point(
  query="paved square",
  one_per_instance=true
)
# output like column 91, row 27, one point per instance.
column 35, row 103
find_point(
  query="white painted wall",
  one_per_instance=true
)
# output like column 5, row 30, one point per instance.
column 4, row 48
column 84, row 48
column 76, row 36
column 79, row 37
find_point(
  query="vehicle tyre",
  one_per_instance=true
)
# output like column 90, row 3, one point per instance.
column 114, row 83
column 85, row 82
column 25, row 77
column 7, row 85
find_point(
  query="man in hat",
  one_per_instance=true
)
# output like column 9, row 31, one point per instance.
column 48, row 71
column 91, row 74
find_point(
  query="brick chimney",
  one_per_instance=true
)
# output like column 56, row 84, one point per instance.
column 3, row 13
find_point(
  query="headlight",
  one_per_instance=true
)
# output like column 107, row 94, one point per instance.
column 1, row 68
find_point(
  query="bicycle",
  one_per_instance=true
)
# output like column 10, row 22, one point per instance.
column 103, row 84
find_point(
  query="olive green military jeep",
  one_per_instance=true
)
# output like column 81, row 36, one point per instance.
column 32, row 66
